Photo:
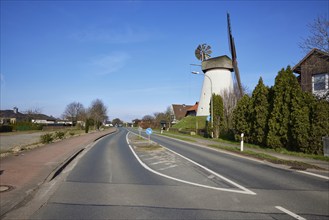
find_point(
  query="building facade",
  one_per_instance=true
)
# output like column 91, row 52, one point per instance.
column 313, row 71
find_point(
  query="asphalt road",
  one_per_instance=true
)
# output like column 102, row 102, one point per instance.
column 108, row 182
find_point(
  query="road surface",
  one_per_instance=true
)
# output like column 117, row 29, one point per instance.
column 109, row 182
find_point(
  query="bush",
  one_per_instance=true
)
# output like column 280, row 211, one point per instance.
column 59, row 134
column 46, row 138
column 26, row 126
column 6, row 128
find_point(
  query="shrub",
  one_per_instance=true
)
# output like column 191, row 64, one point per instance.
column 26, row 126
column 46, row 138
column 59, row 134
column 6, row 128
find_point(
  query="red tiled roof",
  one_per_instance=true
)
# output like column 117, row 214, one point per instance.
column 180, row 110
column 194, row 107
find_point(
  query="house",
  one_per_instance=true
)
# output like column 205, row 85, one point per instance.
column 42, row 119
column 313, row 71
column 14, row 116
column 193, row 110
column 11, row 116
column 178, row 112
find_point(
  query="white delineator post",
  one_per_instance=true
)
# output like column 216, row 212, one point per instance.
column 241, row 147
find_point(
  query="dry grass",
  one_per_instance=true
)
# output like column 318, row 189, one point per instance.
column 142, row 144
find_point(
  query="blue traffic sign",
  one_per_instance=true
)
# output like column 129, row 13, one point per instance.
column 149, row 131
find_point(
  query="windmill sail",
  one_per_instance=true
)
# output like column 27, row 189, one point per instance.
column 233, row 53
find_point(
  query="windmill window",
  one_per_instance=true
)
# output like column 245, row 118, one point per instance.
column 320, row 82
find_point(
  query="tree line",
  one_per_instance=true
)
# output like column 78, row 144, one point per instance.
column 154, row 121
column 282, row 116
column 94, row 115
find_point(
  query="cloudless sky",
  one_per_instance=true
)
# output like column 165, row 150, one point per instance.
column 135, row 55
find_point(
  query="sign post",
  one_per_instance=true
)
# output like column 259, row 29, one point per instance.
column 140, row 129
column 149, row 131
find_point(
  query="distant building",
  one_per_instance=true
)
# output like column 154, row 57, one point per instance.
column 11, row 116
column 313, row 72
column 178, row 112
column 14, row 116
column 42, row 119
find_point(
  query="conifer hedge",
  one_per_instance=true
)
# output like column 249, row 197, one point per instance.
column 282, row 116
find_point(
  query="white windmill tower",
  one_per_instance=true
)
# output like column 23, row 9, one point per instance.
column 218, row 73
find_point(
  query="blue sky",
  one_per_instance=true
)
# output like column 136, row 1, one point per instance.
column 135, row 55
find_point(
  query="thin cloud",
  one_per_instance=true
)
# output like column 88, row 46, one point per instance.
column 126, row 34
column 110, row 63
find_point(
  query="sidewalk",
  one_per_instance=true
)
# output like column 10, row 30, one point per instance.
column 206, row 142
column 24, row 173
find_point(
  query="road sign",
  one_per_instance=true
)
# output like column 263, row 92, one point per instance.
column 149, row 131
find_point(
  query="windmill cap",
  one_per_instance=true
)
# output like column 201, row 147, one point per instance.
column 221, row 62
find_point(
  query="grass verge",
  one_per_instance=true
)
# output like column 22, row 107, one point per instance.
column 265, row 157
column 236, row 144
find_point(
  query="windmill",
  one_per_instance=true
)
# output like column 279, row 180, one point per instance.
column 202, row 52
column 217, row 73
column 233, row 54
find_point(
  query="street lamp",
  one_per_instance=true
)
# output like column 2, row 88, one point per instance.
column 211, row 101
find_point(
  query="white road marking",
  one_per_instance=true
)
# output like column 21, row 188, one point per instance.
column 211, row 176
column 159, row 162
column 151, row 158
column 213, row 172
column 313, row 174
column 290, row 213
column 166, row 168
column 242, row 191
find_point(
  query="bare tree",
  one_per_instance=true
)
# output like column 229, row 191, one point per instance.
column 74, row 111
column 168, row 114
column 31, row 112
column 158, row 118
column 136, row 122
column 230, row 100
column 147, row 121
column 319, row 35
column 98, row 112
column 117, row 122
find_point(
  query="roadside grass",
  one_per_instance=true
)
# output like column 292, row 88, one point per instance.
column 143, row 144
column 148, row 147
column 182, row 137
column 45, row 138
column 20, row 132
column 266, row 157
column 191, row 122
column 235, row 144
